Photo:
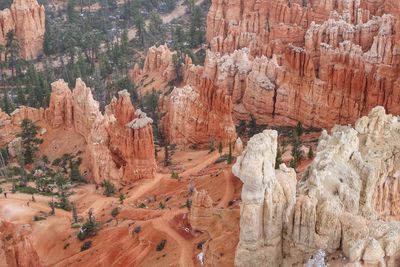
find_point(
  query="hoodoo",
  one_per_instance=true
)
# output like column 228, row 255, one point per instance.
column 346, row 202
column 27, row 19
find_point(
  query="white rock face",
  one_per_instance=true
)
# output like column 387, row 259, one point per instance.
column 348, row 201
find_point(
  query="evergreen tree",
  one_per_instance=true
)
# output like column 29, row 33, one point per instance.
column 167, row 155
column 278, row 160
column 74, row 213
column 6, row 104
column 252, row 126
column 29, row 140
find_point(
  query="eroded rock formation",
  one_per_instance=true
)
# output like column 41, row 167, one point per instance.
column 318, row 62
column 159, row 64
column 119, row 143
column 16, row 247
column 27, row 19
column 347, row 201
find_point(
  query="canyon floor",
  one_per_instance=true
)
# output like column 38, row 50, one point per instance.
column 117, row 244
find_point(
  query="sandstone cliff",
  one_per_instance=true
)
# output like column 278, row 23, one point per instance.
column 16, row 248
column 318, row 62
column 159, row 68
column 346, row 202
column 27, row 19
column 119, row 144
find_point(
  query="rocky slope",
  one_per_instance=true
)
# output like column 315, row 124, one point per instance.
column 200, row 111
column 118, row 144
column 27, row 19
column 318, row 62
column 16, row 246
column 347, row 202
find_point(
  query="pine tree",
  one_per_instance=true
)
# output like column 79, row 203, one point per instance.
column 252, row 126
column 6, row 104
column 220, row 148
column 278, row 160
column 29, row 140
column 74, row 213
column 167, row 155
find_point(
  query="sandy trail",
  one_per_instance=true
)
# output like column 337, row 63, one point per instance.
column 229, row 190
column 179, row 11
column 204, row 162
column 145, row 187
column 162, row 224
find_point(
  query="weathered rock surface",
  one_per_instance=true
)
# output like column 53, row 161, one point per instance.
column 16, row 246
column 159, row 63
column 27, row 19
column 321, row 63
column 119, row 144
column 346, row 202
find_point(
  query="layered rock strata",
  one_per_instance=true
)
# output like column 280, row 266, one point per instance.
column 318, row 62
column 119, row 143
column 27, row 19
column 346, row 202
column 16, row 246
column 159, row 63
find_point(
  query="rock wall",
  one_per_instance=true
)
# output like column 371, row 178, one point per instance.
column 159, row 63
column 119, row 143
column 16, row 246
column 200, row 111
column 27, row 19
column 318, row 62
column 346, row 202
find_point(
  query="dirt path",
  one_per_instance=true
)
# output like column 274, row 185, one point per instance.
column 229, row 190
column 208, row 160
column 162, row 224
column 179, row 11
column 145, row 187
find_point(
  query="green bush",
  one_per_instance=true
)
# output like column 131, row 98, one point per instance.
column 161, row 245
column 138, row 229
column 86, row 245
column 109, row 188
column 37, row 218
column 174, row 175
column 89, row 228
column 115, row 212
column 76, row 225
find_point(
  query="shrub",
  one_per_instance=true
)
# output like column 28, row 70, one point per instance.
column 122, row 198
column 76, row 225
column 114, row 212
column 37, row 218
column 86, row 245
column 66, row 246
column 89, row 228
column 109, row 188
column 142, row 206
column 174, row 175
column 138, row 229
column 161, row 245
column 162, row 206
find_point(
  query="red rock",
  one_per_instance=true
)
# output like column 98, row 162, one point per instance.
column 325, row 64
column 119, row 144
column 16, row 246
column 27, row 19
column 158, row 63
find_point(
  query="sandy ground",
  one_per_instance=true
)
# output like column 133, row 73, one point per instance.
column 116, row 244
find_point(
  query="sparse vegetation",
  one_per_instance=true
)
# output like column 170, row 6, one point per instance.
column 175, row 175
column 89, row 228
column 86, row 245
column 161, row 245
column 109, row 188
column 115, row 212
